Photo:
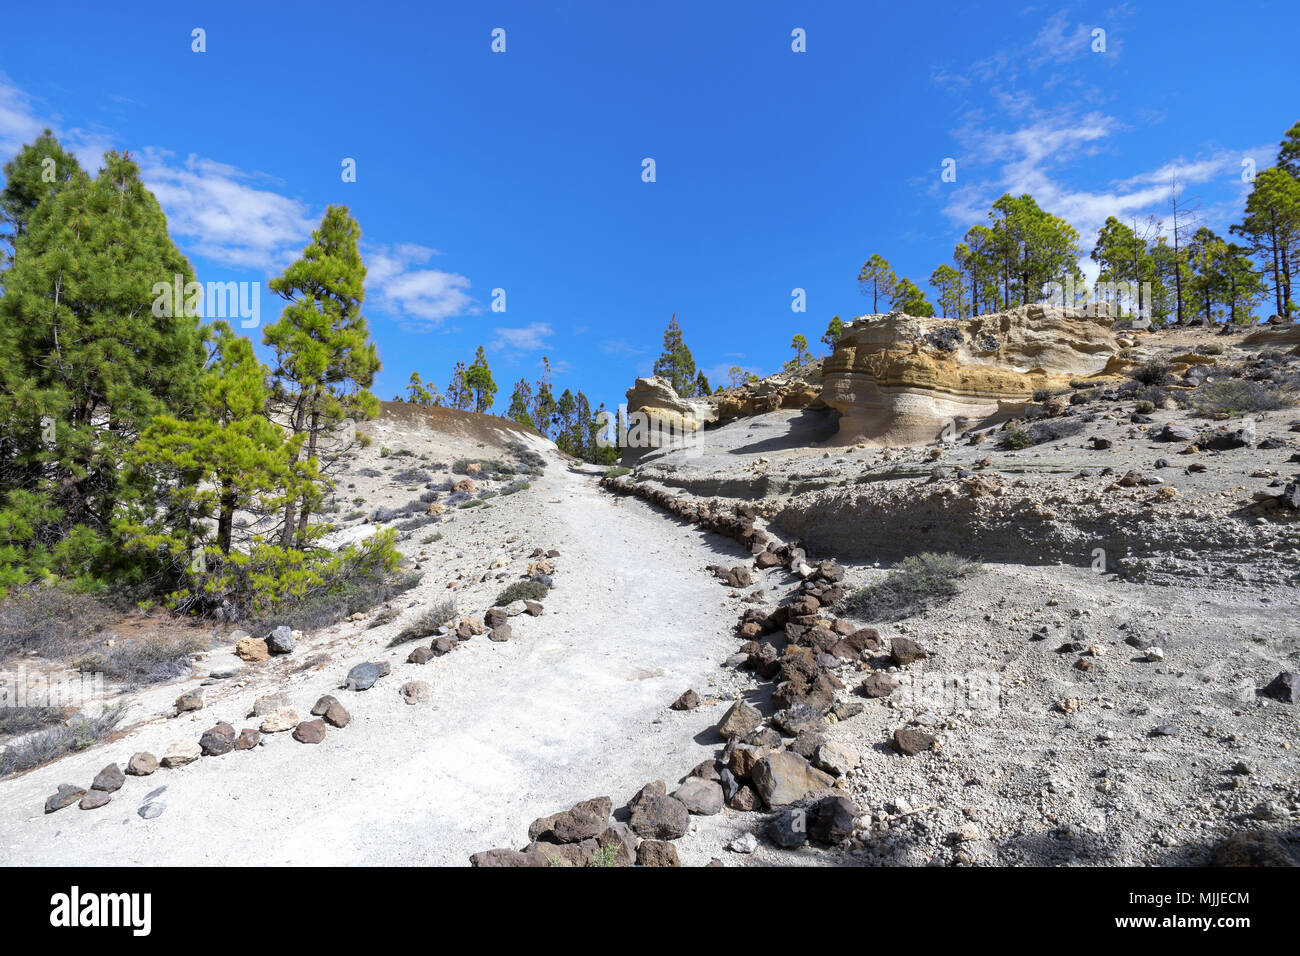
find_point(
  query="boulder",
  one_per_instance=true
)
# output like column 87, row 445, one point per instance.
column 660, row 818
column 65, row 796
column 1285, row 687
column 739, row 720
column 279, row 720
column 878, row 685
column 190, row 700
column 783, row 777
column 217, row 741
column 657, row 853
column 689, row 700
column 310, row 731
column 181, row 753
column 700, row 796
column 109, row 779
column 248, row 738
column 910, row 742
column 94, row 799
column 281, row 641
column 582, row 821
column 142, row 764
column 363, row 676
column 252, row 649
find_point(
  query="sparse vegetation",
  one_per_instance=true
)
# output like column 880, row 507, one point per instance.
column 146, row 660
column 40, row 748
column 521, row 591
column 1016, row 436
column 56, row 622
column 915, row 584
column 1241, row 397
column 1151, row 372
column 618, row 472
column 427, row 623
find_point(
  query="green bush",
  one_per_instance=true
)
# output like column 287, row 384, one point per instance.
column 1151, row 372
column 617, row 472
column 521, row 591
column 915, row 584
column 1016, row 436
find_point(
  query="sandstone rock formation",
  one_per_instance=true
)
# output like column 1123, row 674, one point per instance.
column 901, row 380
column 657, row 417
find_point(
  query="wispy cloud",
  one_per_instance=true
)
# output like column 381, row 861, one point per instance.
column 620, row 347
column 223, row 214
column 529, row 338
column 417, row 298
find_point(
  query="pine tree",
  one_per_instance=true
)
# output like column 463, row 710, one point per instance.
column 325, row 361
column 801, row 354
column 459, row 393
column 227, row 459
column 87, row 358
column 543, row 408
column 952, row 291
column 41, row 169
column 521, row 400
column 422, row 393
column 675, row 363
column 702, row 386
column 877, row 280
column 833, row 332
column 1272, row 227
column 910, row 300
column 478, row 379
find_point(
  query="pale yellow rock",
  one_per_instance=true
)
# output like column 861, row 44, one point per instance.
column 279, row 720
column 901, row 380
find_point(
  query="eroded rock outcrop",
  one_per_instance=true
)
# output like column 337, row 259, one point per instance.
column 901, row 380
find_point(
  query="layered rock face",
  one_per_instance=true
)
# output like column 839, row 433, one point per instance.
column 659, row 418
column 901, row 380
column 797, row 388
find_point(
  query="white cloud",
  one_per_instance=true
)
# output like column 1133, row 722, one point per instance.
column 225, row 217
column 416, row 297
column 19, row 122
column 529, row 338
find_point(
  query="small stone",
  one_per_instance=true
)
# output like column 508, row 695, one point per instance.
column 700, row 796
column 660, row 818
column 836, row 758
column 152, row 811
column 218, row 740
column 533, row 608
column 416, row 692
column 1164, row 730
column 911, row 742
column 1154, row 654
column 310, row 731
column 739, row 720
column 94, row 799
column 443, row 645
column 903, row 651
column 269, row 702
column 689, row 700
column 878, row 685
column 190, row 700
column 363, row 676
column 223, row 671
column 279, row 720
column 252, row 649
column 745, row 843
column 657, row 853
column 501, row 633
column 967, row 833
column 109, row 779
column 248, row 738
column 1285, row 687
column 142, row 764
column 181, row 753
column 421, row 655
column 784, row 777
column 66, row 796
column 280, row 641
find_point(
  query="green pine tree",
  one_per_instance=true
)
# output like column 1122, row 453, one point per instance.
column 675, row 363
column 89, row 354
column 478, row 378
column 325, row 361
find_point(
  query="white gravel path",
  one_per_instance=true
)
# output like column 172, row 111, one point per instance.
column 574, row 707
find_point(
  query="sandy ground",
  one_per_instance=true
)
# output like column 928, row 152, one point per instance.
column 574, row 707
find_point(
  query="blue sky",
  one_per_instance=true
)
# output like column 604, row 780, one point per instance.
column 775, row 170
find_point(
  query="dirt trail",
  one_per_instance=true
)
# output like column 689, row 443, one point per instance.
column 575, row 706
